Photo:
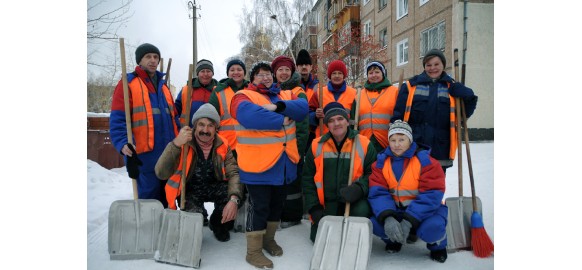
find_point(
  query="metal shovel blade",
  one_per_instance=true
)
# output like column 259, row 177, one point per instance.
column 342, row 243
column 133, row 228
column 180, row 238
column 459, row 222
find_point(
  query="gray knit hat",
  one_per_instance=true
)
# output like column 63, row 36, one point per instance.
column 434, row 52
column 333, row 109
column 400, row 127
column 144, row 49
column 202, row 64
column 206, row 111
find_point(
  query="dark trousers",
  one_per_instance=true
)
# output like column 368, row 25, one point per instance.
column 293, row 208
column 265, row 205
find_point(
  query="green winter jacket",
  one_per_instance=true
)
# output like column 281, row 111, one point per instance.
column 302, row 127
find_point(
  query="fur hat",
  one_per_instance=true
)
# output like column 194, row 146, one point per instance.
column 337, row 65
column 376, row 64
column 206, row 111
column 283, row 61
column 144, row 49
column 236, row 62
column 434, row 52
column 204, row 64
column 400, row 127
column 333, row 109
column 303, row 58
column 258, row 66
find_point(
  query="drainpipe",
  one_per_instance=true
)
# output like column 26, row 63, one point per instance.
column 464, row 39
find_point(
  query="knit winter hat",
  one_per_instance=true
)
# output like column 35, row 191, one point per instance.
column 333, row 109
column 376, row 64
column 303, row 58
column 337, row 65
column 144, row 49
column 258, row 66
column 434, row 52
column 283, row 61
column 236, row 62
column 399, row 127
column 206, row 111
column 204, row 64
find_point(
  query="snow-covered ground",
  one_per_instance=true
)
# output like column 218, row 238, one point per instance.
column 105, row 186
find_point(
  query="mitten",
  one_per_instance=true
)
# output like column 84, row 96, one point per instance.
column 393, row 230
column 351, row 193
column 316, row 213
column 459, row 90
column 406, row 226
column 133, row 163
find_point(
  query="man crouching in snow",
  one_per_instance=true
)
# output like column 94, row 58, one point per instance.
column 212, row 171
column 406, row 190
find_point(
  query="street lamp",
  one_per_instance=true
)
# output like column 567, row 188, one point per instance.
column 192, row 5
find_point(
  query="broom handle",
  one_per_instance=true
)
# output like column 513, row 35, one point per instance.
column 320, row 101
column 473, row 196
column 353, row 153
column 458, row 127
column 168, row 73
column 186, row 123
column 126, row 103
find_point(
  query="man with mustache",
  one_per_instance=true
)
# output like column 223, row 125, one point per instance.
column 212, row 171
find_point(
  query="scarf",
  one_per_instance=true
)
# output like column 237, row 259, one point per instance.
column 206, row 147
column 377, row 86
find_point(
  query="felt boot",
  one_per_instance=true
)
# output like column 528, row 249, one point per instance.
column 269, row 243
column 255, row 254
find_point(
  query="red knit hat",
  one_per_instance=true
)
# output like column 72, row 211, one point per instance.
column 336, row 65
column 283, row 61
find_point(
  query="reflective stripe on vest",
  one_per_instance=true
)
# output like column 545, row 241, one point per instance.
column 259, row 150
column 326, row 150
column 174, row 185
column 442, row 92
column 228, row 125
column 346, row 99
column 404, row 191
column 142, row 115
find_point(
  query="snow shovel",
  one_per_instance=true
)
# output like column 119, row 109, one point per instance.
column 133, row 224
column 343, row 242
column 180, row 238
column 460, row 208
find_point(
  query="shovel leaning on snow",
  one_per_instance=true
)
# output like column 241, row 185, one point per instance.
column 343, row 242
column 133, row 225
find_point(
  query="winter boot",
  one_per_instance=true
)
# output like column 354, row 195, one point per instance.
column 220, row 230
column 255, row 254
column 393, row 247
column 439, row 255
column 269, row 243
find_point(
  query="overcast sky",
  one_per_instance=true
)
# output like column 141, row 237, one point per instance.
column 167, row 25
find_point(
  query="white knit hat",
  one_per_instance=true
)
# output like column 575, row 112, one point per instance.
column 400, row 127
column 207, row 111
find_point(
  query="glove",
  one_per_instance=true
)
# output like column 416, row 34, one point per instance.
column 393, row 230
column 459, row 90
column 351, row 193
column 316, row 213
column 133, row 163
column 406, row 226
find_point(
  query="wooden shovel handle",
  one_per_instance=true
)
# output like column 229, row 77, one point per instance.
column 320, row 100
column 126, row 103
column 458, row 127
column 185, row 146
column 353, row 152
column 168, row 73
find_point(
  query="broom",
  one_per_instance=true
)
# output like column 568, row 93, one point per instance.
column 480, row 242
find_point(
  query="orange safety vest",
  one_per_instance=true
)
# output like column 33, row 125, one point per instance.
column 228, row 125
column 327, row 149
column 452, row 118
column 142, row 115
column 404, row 191
column 259, row 150
column 375, row 112
column 174, row 184
column 347, row 98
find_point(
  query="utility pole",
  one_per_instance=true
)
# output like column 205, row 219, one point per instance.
column 192, row 5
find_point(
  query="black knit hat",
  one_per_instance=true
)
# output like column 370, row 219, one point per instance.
column 144, row 49
column 434, row 52
column 204, row 64
column 258, row 66
column 333, row 109
column 236, row 62
column 303, row 57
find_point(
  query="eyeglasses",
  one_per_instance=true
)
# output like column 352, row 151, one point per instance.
column 263, row 76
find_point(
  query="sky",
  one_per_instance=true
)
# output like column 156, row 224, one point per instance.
column 106, row 186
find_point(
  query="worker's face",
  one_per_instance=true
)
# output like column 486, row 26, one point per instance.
column 399, row 143
column 264, row 77
column 304, row 70
column 149, row 62
column 337, row 77
column 338, row 126
column 205, row 130
column 283, row 74
column 434, row 67
column 375, row 75
column 236, row 73
column 205, row 76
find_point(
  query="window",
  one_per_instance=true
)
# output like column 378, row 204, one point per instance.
column 432, row 38
column 366, row 1
column 401, row 8
column 422, row 2
column 382, row 38
column 367, row 30
column 402, row 52
column 382, row 4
